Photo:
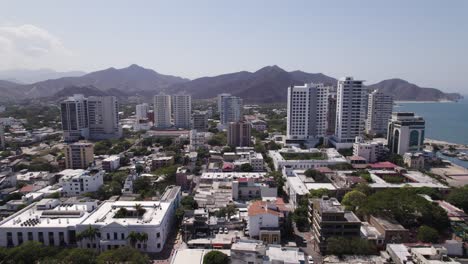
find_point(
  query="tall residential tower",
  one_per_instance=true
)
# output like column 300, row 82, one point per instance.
column 351, row 107
column 379, row 112
column 307, row 111
column 182, row 105
column 162, row 111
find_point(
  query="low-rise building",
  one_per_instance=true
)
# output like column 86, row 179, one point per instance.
column 276, row 254
column 118, row 221
column 402, row 254
column 250, row 188
column 160, row 162
column 259, row 125
column 372, row 151
column 297, row 158
column 414, row 161
column 49, row 221
column 79, row 155
column 248, row 251
column 391, row 230
column 264, row 221
column 329, row 219
column 77, row 182
column 111, row 163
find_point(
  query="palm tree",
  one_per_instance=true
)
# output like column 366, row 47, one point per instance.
column 143, row 238
column 89, row 233
column 133, row 238
column 140, row 210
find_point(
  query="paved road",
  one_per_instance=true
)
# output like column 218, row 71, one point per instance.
column 308, row 248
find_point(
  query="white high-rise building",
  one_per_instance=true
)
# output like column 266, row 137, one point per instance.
column 103, row 115
column 162, row 111
column 307, row 111
column 220, row 100
column 141, row 111
column 74, row 115
column 230, row 109
column 350, row 110
column 379, row 112
column 182, row 106
column 405, row 133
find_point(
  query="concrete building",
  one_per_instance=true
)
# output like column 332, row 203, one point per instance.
column 199, row 139
column 248, row 251
column 304, row 159
column 259, row 125
column 160, row 162
column 49, row 221
column 307, row 111
column 405, row 133
column 414, row 161
column 276, row 254
column 141, row 111
column 230, row 109
column 111, row 163
column 264, row 221
column 103, row 115
column 79, row 155
column 249, row 188
column 330, row 219
column 350, row 110
column 379, row 112
column 402, row 254
column 200, row 120
column 74, row 116
column 162, row 111
column 182, row 107
column 331, row 111
column 238, row 134
column 115, row 220
column 256, row 161
column 77, row 182
column 391, row 230
column 371, row 151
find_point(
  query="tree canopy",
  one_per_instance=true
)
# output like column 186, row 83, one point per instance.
column 215, row 257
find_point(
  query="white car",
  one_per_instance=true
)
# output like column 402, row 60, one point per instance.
column 310, row 259
column 226, row 231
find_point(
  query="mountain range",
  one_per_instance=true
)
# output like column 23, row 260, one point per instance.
column 266, row 85
column 25, row 76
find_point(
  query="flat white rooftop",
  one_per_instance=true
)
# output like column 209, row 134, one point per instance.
column 64, row 215
column 105, row 214
column 231, row 175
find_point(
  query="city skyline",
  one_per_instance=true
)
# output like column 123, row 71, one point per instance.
column 422, row 42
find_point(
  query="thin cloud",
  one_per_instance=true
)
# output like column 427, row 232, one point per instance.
column 30, row 46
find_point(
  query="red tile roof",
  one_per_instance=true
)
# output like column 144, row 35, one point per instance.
column 260, row 207
column 383, row 165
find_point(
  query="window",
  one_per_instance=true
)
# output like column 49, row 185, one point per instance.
column 30, row 236
column 159, row 245
column 158, row 235
column 414, row 138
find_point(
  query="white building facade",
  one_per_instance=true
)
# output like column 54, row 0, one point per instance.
column 379, row 112
column 162, row 111
column 405, row 133
column 77, row 182
column 103, row 115
column 350, row 110
column 307, row 111
column 182, row 106
column 74, row 116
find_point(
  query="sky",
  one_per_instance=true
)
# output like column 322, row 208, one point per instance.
column 422, row 41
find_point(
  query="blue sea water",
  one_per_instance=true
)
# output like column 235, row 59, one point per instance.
column 444, row 121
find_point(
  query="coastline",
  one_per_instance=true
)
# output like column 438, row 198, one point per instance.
column 445, row 143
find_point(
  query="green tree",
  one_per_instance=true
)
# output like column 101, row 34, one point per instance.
column 76, row 256
column 246, row 167
column 316, row 175
column 353, row 199
column 344, row 246
column 215, row 257
column 122, row 255
column 428, row 234
column 318, row 193
column 459, row 198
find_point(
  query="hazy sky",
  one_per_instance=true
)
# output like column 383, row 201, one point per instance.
column 424, row 42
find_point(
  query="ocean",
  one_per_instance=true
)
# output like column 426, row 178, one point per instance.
column 447, row 121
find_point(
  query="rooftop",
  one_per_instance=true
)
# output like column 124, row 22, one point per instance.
column 105, row 214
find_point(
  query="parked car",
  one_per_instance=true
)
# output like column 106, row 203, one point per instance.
column 310, row 259
column 226, row 231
